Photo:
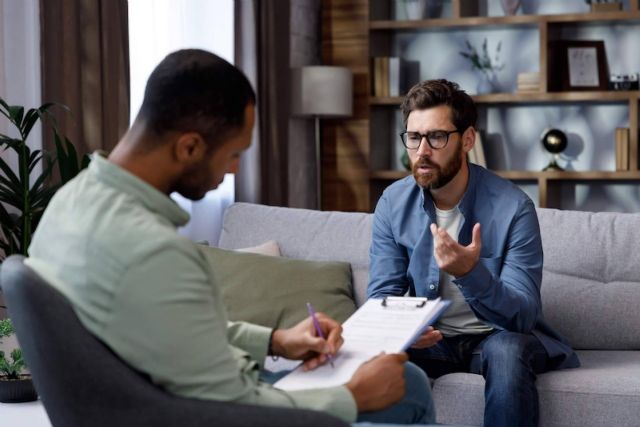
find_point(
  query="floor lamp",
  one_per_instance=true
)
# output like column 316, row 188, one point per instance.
column 321, row 91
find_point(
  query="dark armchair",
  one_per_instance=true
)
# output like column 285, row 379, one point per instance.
column 82, row 382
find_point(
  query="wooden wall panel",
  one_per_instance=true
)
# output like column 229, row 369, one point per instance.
column 345, row 142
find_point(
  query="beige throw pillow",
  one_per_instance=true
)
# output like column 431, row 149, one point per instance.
column 273, row 291
column 270, row 248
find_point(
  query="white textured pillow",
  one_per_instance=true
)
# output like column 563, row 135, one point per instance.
column 270, row 248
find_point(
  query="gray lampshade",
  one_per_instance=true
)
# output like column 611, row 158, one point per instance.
column 322, row 90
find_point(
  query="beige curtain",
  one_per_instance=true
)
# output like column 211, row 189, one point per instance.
column 85, row 65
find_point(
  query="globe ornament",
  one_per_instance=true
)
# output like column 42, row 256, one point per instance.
column 555, row 142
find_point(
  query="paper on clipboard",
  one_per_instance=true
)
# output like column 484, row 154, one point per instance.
column 388, row 325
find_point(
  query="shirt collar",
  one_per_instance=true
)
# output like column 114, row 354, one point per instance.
column 150, row 197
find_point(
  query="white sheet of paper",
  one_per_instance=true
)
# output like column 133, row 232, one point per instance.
column 368, row 332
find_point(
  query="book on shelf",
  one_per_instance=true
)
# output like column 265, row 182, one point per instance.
column 476, row 154
column 528, row 82
column 622, row 149
column 392, row 76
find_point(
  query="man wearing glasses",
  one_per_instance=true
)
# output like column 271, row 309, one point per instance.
column 458, row 231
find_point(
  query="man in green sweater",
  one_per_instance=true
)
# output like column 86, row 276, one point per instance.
column 108, row 242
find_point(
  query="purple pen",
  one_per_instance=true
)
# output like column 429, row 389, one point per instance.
column 316, row 324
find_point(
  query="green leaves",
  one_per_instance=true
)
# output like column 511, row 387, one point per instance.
column 482, row 60
column 6, row 328
column 12, row 366
column 23, row 196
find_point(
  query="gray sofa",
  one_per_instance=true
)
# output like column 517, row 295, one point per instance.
column 590, row 293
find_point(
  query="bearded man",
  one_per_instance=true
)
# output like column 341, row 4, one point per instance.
column 458, row 231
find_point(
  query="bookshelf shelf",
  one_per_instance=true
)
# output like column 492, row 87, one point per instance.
column 491, row 21
column 533, row 97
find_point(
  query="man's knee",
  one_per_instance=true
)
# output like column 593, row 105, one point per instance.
column 506, row 351
column 417, row 382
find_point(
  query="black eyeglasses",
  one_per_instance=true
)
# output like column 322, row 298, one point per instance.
column 437, row 139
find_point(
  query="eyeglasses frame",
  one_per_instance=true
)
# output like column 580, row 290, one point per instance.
column 426, row 136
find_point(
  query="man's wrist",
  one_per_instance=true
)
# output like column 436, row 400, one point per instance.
column 275, row 349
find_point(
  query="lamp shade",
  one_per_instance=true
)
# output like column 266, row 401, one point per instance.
column 322, row 91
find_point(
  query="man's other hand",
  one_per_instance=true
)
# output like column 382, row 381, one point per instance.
column 302, row 343
column 379, row 382
column 428, row 338
column 452, row 257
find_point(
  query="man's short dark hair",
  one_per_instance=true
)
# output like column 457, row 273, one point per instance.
column 433, row 93
column 194, row 90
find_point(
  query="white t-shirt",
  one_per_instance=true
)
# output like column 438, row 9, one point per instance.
column 458, row 319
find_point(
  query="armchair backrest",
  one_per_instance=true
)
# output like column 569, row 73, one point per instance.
column 82, row 382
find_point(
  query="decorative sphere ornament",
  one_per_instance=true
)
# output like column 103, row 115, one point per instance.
column 555, row 142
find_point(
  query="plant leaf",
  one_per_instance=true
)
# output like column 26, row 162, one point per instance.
column 9, row 174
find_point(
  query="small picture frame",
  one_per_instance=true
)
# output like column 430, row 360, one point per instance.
column 577, row 65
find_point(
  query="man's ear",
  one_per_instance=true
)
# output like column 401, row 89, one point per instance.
column 189, row 148
column 468, row 139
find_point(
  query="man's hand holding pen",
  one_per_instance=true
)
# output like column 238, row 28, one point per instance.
column 302, row 341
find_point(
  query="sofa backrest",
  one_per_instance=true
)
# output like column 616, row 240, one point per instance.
column 590, row 285
column 591, row 281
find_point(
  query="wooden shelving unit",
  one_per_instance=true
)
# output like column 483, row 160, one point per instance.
column 356, row 30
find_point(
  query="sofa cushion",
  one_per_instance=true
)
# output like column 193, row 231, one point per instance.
column 304, row 234
column 591, row 279
column 273, row 291
column 604, row 391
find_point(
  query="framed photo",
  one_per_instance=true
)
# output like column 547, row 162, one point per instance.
column 577, row 65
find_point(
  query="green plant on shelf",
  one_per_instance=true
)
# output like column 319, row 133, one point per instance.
column 482, row 60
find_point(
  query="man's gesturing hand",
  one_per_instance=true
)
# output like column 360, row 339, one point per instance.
column 452, row 257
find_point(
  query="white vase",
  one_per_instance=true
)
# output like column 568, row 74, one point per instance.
column 415, row 9
column 488, row 83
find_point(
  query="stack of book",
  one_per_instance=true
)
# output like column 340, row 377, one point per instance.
column 392, row 76
column 622, row 149
column 528, row 82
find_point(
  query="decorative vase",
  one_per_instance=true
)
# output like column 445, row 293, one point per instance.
column 510, row 7
column 421, row 9
column 488, row 83
column 17, row 391
column 415, row 9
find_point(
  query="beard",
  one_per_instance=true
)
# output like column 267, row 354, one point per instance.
column 194, row 183
column 440, row 175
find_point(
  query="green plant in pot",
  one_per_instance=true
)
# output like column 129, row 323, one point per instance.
column 15, row 385
column 23, row 196
column 25, row 192
column 481, row 61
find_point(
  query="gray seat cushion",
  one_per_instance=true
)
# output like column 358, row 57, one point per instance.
column 605, row 391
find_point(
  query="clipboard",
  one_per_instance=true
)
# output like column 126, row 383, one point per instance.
column 389, row 325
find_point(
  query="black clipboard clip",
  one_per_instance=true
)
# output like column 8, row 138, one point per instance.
column 420, row 302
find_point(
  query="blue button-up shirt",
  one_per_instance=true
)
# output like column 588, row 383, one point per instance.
column 503, row 289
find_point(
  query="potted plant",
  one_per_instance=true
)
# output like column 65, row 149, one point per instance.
column 23, row 196
column 15, row 385
column 482, row 61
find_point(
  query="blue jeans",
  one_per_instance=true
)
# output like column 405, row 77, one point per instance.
column 416, row 407
column 509, row 363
